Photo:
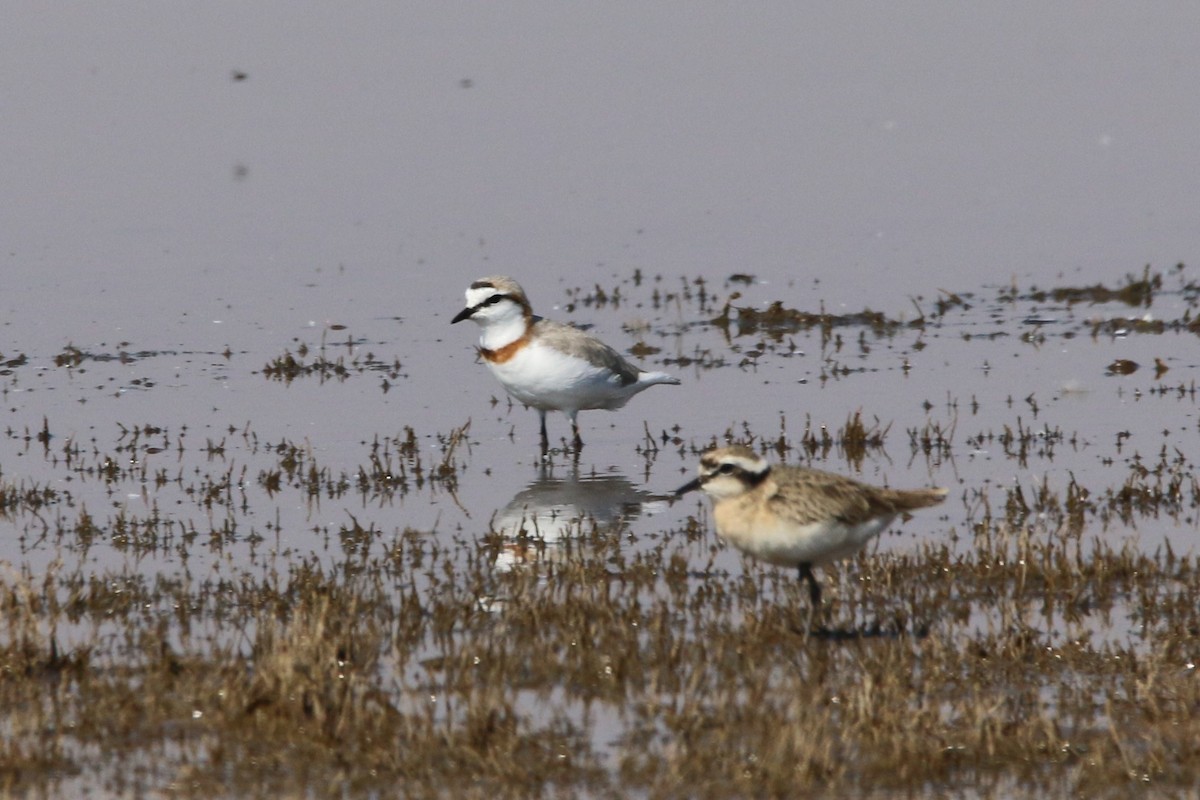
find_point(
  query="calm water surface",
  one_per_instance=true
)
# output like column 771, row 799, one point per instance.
column 193, row 193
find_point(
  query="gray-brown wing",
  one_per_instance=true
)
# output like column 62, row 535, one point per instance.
column 812, row 495
column 583, row 345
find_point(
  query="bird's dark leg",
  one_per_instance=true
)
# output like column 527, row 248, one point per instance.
column 814, row 588
column 578, row 441
column 814, row 596
column 545, row 438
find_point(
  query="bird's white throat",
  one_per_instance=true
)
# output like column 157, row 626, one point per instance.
column 497, row 333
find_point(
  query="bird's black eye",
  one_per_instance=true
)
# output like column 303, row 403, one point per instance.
column 726, row 469
column 491, row 301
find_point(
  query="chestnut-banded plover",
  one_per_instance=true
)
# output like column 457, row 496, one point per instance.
column 548, row 365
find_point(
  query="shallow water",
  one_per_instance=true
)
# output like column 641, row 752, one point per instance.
column 194, row 196
column 1013, row 367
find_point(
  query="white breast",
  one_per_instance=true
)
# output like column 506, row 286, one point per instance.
column 546, row 378
column 788, row 544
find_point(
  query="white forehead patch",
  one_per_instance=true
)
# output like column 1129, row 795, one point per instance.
column 477, row 296
column 745, row 462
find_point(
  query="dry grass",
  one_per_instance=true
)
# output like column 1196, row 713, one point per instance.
column 989, row 669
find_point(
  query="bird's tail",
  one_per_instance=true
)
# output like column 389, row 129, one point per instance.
column 910, row 499
column 653, row 378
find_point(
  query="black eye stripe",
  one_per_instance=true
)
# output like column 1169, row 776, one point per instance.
column 750, row 479
column 491, row 301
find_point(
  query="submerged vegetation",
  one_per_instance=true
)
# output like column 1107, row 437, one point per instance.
column 291, row 366
column 225, row 611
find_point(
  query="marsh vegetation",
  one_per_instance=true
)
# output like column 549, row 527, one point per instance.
column 222, row 609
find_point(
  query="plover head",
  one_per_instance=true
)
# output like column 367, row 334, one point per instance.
column 494, row 300
column 728, row 472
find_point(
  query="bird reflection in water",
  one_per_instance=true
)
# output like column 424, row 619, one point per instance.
column 537, row 526
column 547, row 512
